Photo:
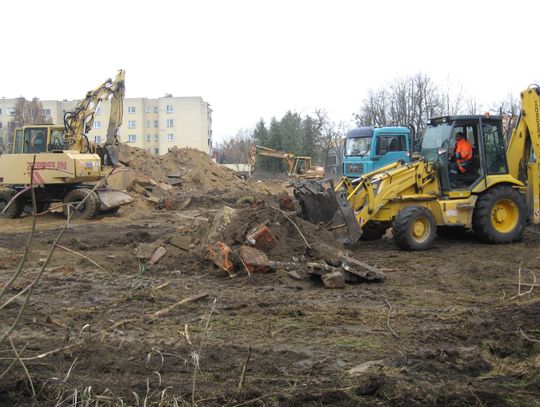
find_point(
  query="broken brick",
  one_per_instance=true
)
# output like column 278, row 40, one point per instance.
column 157, row 255
column 220, row 254
column 262, row 238
column 255, row 260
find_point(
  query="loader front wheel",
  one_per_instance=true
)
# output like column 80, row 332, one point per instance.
column 414, row 228
column 15, row 209
column 500, row 215
column 89, row 208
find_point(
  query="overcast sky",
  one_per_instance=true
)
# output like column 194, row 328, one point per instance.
column 260, row 58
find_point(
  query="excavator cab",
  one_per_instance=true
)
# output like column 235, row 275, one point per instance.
column 485, row 137
column 37, row 139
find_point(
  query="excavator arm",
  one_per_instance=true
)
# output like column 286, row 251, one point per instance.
column 269, row 152
column 523, row 152
column 80, row 120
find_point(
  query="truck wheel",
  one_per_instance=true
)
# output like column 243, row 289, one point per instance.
column 88, row 210
column 500, row 215
column 373, row 230
column 414, row 228
column 16, row 207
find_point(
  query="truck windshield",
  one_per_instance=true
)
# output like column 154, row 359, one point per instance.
column 435, row 136
column 357, row 146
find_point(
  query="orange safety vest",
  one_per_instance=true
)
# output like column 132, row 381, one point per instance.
column 463, row 154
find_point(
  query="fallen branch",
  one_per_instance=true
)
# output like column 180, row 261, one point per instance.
column 30, row 236
column 163, row 312
column 520, row 294
column 18, row 357
column 526, row 337
column 295, row 225
column 11, row 328
column 243, row 374
column 81, row 342
column 388, row 319
column 162, row 286
column 84, row 257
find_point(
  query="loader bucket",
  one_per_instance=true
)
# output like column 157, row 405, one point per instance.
column 319, row 203
column 111, row 199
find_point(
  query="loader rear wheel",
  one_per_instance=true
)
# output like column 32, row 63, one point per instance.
column 15, row 209
column 88, row 210
column 373, row 230
column 500, row 215
column 414, row 228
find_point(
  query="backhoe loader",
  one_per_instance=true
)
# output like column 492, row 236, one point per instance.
column 63, row 160
column 297, row 166
column 495, row 192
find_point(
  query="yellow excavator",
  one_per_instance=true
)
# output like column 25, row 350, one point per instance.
column 495, row 194
column 297, row 166
column 64, row 161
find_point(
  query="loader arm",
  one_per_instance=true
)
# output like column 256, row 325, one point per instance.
column 365, row 196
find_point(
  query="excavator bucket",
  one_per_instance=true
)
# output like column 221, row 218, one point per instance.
column 320, row 203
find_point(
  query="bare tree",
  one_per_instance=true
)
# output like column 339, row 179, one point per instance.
column 27, row 112
column 236, row 149
column 406, row 101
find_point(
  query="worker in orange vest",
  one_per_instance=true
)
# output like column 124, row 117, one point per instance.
column 461, row 157
column 463, row 153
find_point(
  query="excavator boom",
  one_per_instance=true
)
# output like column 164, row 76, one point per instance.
column 80, row 120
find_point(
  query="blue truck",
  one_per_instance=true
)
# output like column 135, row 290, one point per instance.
column 369, row 148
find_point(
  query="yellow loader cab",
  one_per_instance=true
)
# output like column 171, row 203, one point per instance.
column 493, row 191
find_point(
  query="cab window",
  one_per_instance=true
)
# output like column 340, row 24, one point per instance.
column 391, row 142
column 35, row 140
column 19, row 142
column 494, row 148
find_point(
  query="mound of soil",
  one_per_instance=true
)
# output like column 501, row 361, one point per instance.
column 188, row 168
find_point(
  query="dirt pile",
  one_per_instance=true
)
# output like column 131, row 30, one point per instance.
column 182, row 178
column 187, row 168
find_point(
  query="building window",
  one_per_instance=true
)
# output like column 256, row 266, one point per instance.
column 170, row 123
column 11, row 111
column 132, row 138
column 46, row 112
column 156, row 150
column 131, row 124
column 97, row 125
column 148, row 138
column 156, row 123
column 147, row 123
column 131, row 109
column 98, row 110
column 0, row 111
column 97, row 139
column 155, row 109
column 156, row 137
column 147, row 109
column 170, row 137
column 0, row 122
column 169, row 109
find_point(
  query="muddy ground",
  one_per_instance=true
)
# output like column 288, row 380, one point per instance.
column 457, row 335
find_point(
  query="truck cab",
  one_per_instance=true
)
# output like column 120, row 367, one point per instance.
column 369, row 148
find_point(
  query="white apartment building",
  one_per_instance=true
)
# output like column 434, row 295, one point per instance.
column 155, row 125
